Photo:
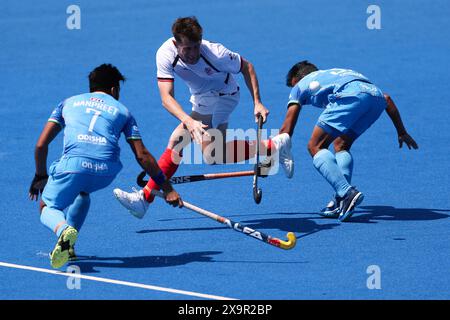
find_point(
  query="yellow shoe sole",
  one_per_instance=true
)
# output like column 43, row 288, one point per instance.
column 60, row 254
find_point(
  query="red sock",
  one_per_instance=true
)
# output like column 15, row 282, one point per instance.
column 269, row 147
column 237, row 147
column 168, row 162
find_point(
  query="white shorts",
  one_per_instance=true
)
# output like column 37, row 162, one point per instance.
column 217, row 105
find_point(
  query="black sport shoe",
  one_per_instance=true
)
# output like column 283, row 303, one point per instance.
column 333, row 208
column 349, row 202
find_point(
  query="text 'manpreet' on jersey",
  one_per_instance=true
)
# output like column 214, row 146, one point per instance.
column 93, row 123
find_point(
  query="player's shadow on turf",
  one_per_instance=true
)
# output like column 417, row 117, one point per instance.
column 181, row 229
column 87, row 264
column 371, row 214
column 302, row 226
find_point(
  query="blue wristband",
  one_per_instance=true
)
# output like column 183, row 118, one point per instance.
column 160, row 178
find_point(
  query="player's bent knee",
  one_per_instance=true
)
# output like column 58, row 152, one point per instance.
column 342, row 144
column 339, row 146
column 313, row 148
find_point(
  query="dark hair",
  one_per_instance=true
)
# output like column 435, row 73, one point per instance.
column 300, row 70
column 104, row 77
column 187, row 27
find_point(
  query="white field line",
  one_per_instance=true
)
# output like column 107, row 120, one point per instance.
column 112, row 281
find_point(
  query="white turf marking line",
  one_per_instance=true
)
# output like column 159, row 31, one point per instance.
column 123, row 283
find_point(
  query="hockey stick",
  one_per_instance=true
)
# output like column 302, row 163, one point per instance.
column 257, row 192
column 289, row 244
column 197, row 177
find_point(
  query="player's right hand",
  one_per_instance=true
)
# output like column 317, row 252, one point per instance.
column 37, row 186
column 196, row 130
column 174, row 199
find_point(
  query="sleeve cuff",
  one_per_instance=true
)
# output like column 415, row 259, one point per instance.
column 55, row 121
column 166, row 79
column 291, row 102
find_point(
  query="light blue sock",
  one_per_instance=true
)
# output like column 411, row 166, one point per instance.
column 326, row 164
column 344, row 160
column 52, row 218
column 77, row 212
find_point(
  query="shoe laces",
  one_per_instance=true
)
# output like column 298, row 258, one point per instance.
column 135, row 190
column 135, row 195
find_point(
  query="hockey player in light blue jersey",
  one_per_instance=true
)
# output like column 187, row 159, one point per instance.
column 93, row 123
column 351, row 105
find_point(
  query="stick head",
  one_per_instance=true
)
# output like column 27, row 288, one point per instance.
column 257, row 195
column 292, row 241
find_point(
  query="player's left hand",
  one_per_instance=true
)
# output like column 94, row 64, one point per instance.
column 260, row 110
column 408, row 140
column 37, row 186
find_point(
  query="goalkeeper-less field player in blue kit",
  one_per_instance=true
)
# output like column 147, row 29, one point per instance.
column 351, row 105
column 92, row 123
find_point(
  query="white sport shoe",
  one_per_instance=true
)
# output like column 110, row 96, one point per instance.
column 133, row 201
column 282, row 144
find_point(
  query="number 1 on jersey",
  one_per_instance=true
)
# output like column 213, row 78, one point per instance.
column 94, row 118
